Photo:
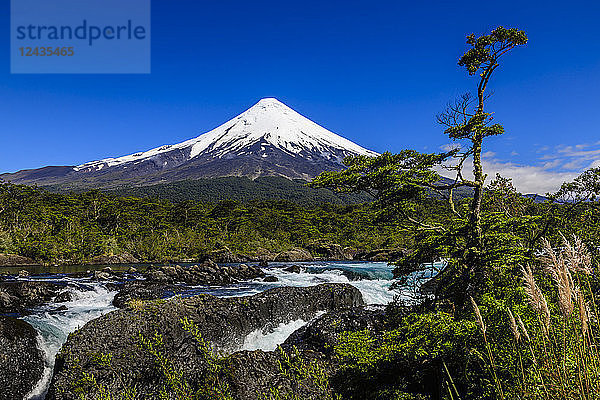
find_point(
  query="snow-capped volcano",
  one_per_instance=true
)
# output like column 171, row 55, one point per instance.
column 267, row 139
column 268, row 123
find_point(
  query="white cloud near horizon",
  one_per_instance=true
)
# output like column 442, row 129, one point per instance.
column 554, row 167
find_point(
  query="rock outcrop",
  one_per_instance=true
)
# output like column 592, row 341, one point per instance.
column 224, row 323
column 109, row 259
column 294, row 269
column 21, row 360
column 313, row 344
column 254, row 373
column 294, row 255
column 142, row 290
column 16, row 297
column 207, row 273
column 321, row 335
column 12, row 260
column 264, row 255
column 325, row 333
column 331, row 251
column 162, row 281
column 225, row 255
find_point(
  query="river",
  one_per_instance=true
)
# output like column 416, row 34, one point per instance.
column 91, row 299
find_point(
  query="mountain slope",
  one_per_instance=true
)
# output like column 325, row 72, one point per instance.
column 244, row 190
column 269, row 139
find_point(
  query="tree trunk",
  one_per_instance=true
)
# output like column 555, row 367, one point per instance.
column 475, row 267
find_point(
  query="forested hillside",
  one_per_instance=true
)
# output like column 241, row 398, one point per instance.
column 242, row 189
column 56, row 228
column 53, row 227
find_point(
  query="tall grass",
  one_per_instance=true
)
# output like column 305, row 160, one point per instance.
column 556, row 351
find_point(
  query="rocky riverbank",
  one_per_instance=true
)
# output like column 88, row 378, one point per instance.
column 21, row 360
column 318, row 251
column 18, row 297
column 77, row 305
column 13, row 260
column 222, row 323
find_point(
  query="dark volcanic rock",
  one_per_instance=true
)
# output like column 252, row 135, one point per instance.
column 21, row 360
column 142, row 290
column 222, row 322
column 101, row 276
column 225, row 256
column 321, row 335
column 331, row 251
column 350, row 252
column 125, row 258
column 63, row 297
column 208, row 273
column 264, row 256
column 252, row 373
column 296, row 254
column 11, row 260
column 295, row 269
column 18, row 296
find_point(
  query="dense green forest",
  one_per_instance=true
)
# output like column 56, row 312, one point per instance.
column 242, row 189
column 53, row 227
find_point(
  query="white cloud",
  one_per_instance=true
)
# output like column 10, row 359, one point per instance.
column 529, row 178
column 539, row 179
column 554, row 167
column 552, row 164
column 574, row 164
column 450, row 146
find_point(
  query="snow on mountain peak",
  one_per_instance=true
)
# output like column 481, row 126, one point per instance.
column 268, row 123
column 269, row 100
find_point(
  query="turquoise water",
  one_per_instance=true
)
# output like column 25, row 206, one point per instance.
column 91, row 299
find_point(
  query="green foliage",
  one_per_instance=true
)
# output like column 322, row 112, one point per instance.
column 59, row 228
column 88, row 388
column 547, row 349
column 212, row 386
column 89, row 382
column 299, row 372
column 400, row 182
column 584, row 188
column 398, row 176
column 407, row 362
column 242, row 189
column 209, row 387
column 176, row 386
column 485, row 50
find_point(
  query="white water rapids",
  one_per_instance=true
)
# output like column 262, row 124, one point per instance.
column 88, row 302
column 92, row 299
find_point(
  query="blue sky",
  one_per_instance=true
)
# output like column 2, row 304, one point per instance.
column 374, row 72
